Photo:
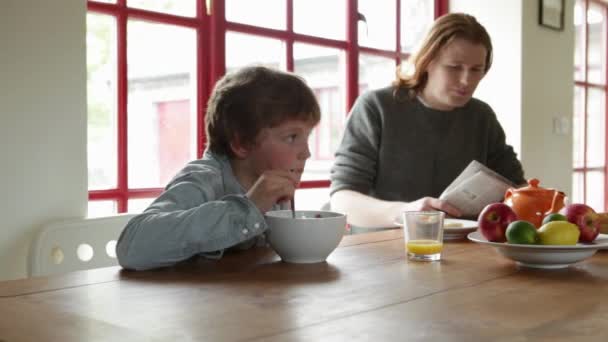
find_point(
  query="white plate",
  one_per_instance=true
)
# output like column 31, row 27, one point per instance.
column 453, row 229
column 544, row 256
column 602, row 237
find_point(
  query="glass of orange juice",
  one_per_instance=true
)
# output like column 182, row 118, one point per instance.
column 423, row 234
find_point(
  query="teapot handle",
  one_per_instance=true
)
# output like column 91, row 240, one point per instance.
column 508, row 194
column 555, row 207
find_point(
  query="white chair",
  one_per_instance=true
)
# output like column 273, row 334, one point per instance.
column 76, row 244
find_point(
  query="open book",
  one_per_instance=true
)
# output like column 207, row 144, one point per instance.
column 476, row 187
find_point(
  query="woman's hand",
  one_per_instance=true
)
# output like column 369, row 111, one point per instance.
column 369, row 212
column 430, row 203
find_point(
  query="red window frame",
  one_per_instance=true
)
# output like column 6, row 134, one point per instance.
column 211, row 27
column 585, row 168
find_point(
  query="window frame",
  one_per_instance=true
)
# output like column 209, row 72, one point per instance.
column 211, row 27
column 585, row 169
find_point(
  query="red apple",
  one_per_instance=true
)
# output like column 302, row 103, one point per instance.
column 493, row 221
column 587, row 220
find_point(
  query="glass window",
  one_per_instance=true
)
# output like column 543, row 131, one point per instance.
column 102, row 128
column 589, row 114
column 162, row 93
column 579, row 42
column 138, row 205
column 596, row 54
column 375, row 72
column 312, row 199
column 595, row 193
column 379, row 30
column 596, row 135
column 416, row 20
column 177, row 7
column 267, row 13
column 168, row 73
column 246, row 49
column 578, row 127
column 101, row 208
column 577, row 188
column 323, row 68
column 320, row 18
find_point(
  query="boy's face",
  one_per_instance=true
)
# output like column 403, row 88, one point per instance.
column 283, row 147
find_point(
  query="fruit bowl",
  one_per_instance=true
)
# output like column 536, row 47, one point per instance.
column 544, row 256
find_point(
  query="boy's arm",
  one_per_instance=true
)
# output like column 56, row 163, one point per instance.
column 186, row 220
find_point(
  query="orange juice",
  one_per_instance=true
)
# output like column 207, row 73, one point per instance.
column 424, row 246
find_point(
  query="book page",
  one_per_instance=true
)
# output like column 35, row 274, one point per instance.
column 476, row 187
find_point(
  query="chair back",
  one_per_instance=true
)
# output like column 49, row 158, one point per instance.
column 76, row 244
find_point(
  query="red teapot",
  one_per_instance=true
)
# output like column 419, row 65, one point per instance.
column 532, row 203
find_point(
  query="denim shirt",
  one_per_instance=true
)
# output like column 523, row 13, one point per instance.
column 203, row 210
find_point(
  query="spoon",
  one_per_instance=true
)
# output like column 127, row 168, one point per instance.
column 292, row 202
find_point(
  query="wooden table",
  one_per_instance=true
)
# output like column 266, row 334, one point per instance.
column 367, row 290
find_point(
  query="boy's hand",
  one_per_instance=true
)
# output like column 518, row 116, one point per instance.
column 271, row 187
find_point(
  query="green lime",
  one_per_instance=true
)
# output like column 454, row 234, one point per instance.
column 521, row 232
column 558, row 233
column 554, row 217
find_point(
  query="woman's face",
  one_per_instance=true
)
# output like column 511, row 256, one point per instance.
column 454, row 75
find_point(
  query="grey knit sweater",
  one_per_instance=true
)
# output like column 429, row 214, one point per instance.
column 397, row 149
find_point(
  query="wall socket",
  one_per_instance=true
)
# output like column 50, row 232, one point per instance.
column 561, row 125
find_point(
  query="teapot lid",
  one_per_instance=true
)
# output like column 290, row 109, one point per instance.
column 533, row 188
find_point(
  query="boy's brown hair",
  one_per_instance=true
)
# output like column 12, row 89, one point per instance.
column 252, row 98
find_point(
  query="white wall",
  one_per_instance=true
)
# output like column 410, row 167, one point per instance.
column 42, row 121
column 547, row 94
column 530, row 83
column 501, row 87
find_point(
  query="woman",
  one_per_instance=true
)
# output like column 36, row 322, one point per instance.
column 404, row 144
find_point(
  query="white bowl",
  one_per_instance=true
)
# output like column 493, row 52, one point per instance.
column 309, row 238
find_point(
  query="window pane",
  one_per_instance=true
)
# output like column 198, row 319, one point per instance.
column 597, row 43
column 245, row 49
column 267, row 13
column 162, row 93
column 416, row 19
column 178, row 7
column 311, row 199
column 323, row 69
column 320, row 18
column 138, row 205
column 375, row 72
column 380, row 31
column 101, row 208
column 579, row 41
column 101, row 102
column 596, row 137
column 595, row 190
column 577, row 188
column 578, row 127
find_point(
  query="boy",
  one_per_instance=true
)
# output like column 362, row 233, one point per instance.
column 257, row 123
